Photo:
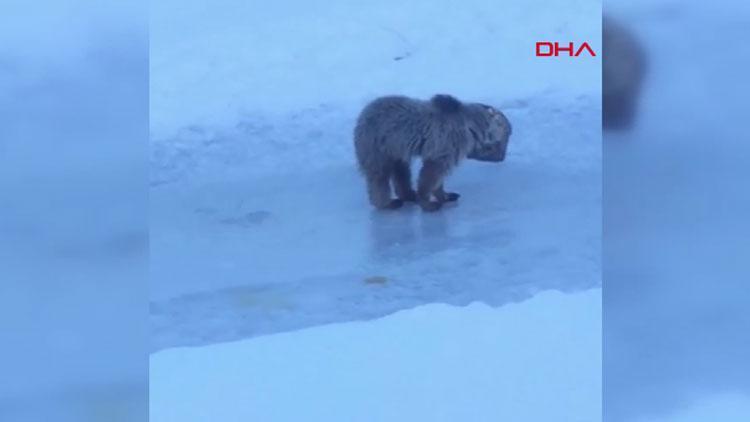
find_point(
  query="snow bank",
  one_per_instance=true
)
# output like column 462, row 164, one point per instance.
column 215, row 62
column 538, row 360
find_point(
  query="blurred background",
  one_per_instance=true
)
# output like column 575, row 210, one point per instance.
column 73, row 209
column 676, row 199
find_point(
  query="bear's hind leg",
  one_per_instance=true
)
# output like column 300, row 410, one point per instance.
column 379, row 190
column 402, row 182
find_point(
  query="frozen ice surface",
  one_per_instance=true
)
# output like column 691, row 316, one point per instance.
column 253, row 254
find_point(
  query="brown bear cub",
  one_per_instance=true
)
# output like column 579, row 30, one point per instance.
column 392, row 130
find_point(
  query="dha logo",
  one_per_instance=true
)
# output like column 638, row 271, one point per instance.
column 549, row 49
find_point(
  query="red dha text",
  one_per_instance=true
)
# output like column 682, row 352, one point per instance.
column 550, row 49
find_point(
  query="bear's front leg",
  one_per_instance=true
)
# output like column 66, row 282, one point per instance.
column 430, row 178
column 442, row 196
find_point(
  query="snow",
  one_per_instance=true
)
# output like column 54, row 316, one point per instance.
column 297, row 299
column 539, row 360
column 215, row 62
column 259, row 219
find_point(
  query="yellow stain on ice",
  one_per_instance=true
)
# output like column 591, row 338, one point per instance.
column 262, row 300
